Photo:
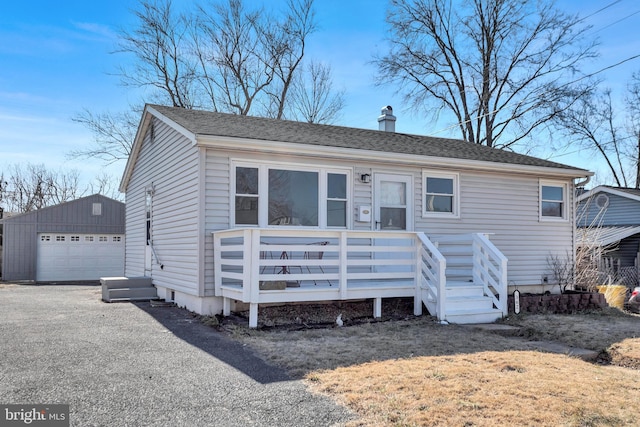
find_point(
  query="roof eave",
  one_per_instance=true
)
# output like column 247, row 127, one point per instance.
column 273, row 147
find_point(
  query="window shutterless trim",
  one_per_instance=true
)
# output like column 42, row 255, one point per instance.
column 455, row 203
column 263, row 191
column 564, row 202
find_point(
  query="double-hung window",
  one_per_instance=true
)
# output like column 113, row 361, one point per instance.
column 271, row 195
column 553, row 200
column 336, row 200
column 246, row 196
column 440, row 194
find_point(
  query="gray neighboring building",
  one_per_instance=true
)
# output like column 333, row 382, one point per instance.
column 609, row 217
column 74, row 241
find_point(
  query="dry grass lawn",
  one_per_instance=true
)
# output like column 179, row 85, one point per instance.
column 417, row 372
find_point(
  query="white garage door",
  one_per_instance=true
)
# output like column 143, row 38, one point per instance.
column 64, row 257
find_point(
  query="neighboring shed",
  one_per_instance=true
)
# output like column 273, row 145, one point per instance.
column 78, row 240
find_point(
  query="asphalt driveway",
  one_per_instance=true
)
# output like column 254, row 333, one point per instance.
column 135, row 365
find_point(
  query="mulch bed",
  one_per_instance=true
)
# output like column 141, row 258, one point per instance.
column 323, row 315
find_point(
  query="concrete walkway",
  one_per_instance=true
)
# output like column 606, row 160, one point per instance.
column 136, row 365
column 546, row 346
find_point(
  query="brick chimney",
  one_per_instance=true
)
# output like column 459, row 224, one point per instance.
column 387, row 121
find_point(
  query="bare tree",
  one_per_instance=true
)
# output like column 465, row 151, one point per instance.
column 31, row 187
column 232, row 53
column 591, row 123
column 287, row 47
column 158, row 44
column 611, row 130
column 107, row 185
column 113, row 135
column 498, row 66
column 312, row 97
column 225, row 56
column 632, row 102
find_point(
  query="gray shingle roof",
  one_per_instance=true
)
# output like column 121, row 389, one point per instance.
column 259, row 128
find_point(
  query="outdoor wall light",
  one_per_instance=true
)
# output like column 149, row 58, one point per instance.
column 365, row 177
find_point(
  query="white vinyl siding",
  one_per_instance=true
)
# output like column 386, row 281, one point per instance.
column 506, row 207
column 217, row 195
column 170, row 164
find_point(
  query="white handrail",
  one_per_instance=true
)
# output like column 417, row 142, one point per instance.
column 432, row 280
column 490, row 269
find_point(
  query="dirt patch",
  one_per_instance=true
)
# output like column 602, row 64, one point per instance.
column 323, row 315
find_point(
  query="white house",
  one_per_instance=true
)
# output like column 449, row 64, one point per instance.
column 224, row 208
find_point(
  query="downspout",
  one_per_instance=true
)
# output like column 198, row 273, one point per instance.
column 583, row 183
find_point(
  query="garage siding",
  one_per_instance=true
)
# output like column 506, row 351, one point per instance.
column 19, row 261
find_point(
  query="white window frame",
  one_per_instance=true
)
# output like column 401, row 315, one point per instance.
column 565, row 201
column 455, row 205
column 235, row 194
column 263, row 192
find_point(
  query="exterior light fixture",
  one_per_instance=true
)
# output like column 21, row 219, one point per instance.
column 365, row 177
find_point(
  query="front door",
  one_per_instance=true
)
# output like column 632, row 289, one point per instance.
column 392, row 202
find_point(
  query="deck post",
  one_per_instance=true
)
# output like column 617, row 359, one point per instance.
column 342, row 254
column 254, row 275
column 377, row 307
column 217, row 261
column 253, row 315
column 417, row 296
column 226, row 306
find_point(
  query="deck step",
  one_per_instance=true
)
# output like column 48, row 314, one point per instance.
column 126, row 282
column 119, row 289
column 469, row 303
column 464, row 317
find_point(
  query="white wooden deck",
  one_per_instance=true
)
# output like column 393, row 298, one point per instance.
column 259, row 266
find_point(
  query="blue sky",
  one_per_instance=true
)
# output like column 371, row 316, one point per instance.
column 56, row 60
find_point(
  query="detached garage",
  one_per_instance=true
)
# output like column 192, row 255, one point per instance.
column 81, row 240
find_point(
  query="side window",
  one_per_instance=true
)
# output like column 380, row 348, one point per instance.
column 553, row 201
column 246, row 202
column 336, row 200
column 440, row 194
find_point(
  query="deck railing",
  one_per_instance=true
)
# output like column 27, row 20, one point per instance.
column 432, row 266
column 286, row 265
column 259, row 266
column 490, row 269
